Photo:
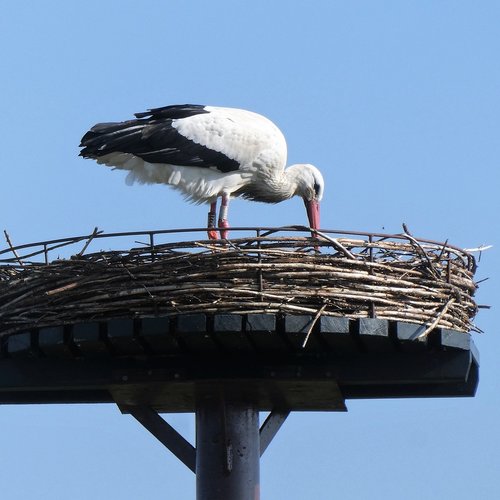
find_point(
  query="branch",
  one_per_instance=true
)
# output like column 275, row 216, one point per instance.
column 11, row 246
column 336, row 244
column 437, row 320
column 418, row 246
column 314, row 321
column 95, row 232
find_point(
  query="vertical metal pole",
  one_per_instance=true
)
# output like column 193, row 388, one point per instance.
column 152, row 245
column 227, row 449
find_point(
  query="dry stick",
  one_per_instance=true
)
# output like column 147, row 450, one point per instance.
column 314, row 321
column 234, row 247
column 64, row 288
column 134, row 278
column 90, row 238
column 210, row 246
column 441, row 253
column 337, row 245
column 13, row 249
column 424, row 254
column 436, row 321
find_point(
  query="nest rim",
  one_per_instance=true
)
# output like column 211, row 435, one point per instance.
column 429, row 258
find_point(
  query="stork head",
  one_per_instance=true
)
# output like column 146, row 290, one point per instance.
column 310, row 186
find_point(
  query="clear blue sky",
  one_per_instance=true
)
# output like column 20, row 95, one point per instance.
column 398, row 102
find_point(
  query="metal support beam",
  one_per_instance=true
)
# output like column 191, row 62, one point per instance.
column 270, row 428
column 227, row 449
column 229, row 444
column 166, row 434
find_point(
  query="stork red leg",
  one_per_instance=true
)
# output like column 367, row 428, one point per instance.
column 223, row 222
column 212, row 215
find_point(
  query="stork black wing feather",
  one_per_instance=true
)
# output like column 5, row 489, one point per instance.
column 153, row 138
column 173, row 112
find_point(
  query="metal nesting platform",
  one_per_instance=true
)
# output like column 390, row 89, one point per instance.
column 226, row 369
column 167, row 362
column 229, row 329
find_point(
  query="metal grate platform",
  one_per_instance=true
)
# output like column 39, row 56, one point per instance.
column 166, row 363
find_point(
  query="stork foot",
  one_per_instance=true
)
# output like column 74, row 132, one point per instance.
column 212, row 234
column 211, row 231
column 223, row 223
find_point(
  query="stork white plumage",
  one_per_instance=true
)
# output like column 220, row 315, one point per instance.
column 207, row 152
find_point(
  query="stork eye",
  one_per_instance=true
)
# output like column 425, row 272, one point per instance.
column 316, row 189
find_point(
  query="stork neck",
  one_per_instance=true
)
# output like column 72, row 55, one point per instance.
column 273, row 185
column 279, row 187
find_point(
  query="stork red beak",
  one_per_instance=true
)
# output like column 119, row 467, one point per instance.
column 312, row 207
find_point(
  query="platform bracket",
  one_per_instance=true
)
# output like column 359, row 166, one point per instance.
column 270, row 428
column 165, row 433
column 182, row 448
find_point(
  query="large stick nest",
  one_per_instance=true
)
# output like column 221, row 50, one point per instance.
column 390, row 278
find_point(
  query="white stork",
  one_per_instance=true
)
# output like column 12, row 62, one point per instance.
column 207, row 152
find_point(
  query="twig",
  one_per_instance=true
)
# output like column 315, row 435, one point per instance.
column 443, row 249
column 437, row 320
column 481, row 248
column 314, row 321
column 417, row 244
column 336, row 244
column 64, row 288
column 90, row 238
column 21, row 263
